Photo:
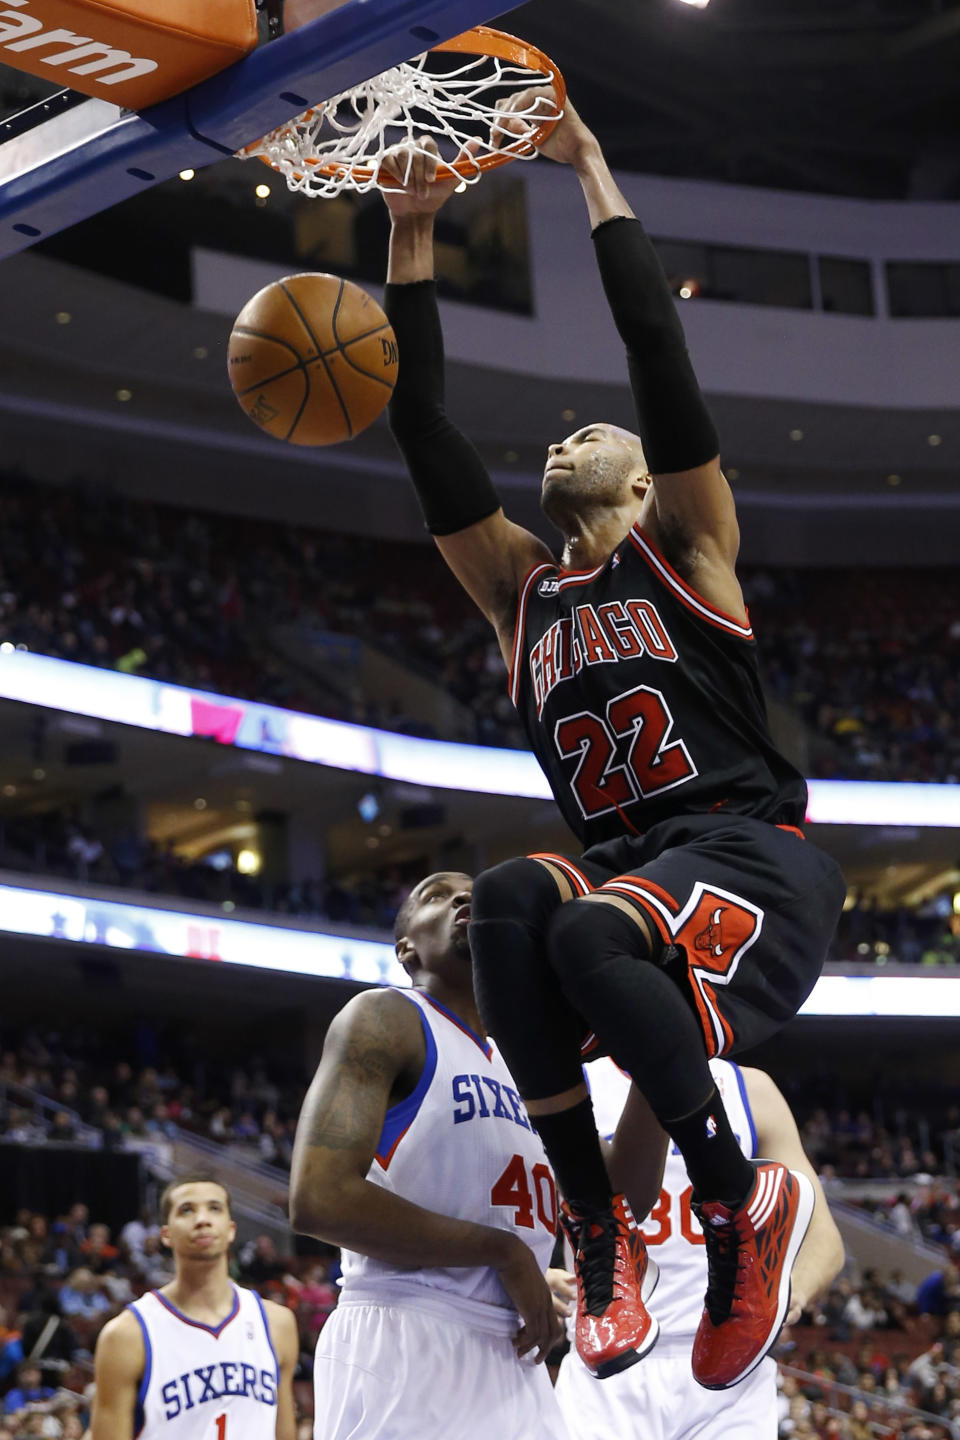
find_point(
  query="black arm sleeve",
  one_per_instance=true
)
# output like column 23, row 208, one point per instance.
column 448, row 475
column 673, row 419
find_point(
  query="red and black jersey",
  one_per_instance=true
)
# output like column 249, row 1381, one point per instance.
column 642, row 701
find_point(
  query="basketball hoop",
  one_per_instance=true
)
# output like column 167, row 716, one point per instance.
column 341, row 144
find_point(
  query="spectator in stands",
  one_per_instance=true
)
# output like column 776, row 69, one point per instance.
column 81, row 1296
column 259, row 1262
column 99, row 1256
column 62, row 1129
column 859, row 1427
column 864, row 1311
column 134, row 1234
column 11, row 1348
column 939, row 1293
column 28, row 1390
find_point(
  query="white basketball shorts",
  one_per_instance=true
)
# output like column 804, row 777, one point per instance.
column 395, row 1372
column 658, row 1399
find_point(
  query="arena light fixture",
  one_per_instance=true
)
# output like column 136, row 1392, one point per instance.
column 697, row 4
column 249, row 862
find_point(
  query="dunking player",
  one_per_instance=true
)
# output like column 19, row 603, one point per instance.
column 658, row 1399
column 415, row 1154
column 201, row 1358
column 698, row 918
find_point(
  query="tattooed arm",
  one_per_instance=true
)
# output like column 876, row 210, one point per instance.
column 373, row 1056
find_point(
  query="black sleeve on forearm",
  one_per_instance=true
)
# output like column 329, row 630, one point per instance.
column 674, row 422
column 448, row 475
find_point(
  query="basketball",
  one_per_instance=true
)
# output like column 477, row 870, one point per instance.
column 312, row 359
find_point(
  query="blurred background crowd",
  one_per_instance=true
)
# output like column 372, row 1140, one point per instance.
column 206, row 601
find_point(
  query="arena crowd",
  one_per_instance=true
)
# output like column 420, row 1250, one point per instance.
column 197, row 599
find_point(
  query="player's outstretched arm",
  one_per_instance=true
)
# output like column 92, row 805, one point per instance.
column 286, row 1344
column 821, row 1255
column 119, row 1361
column 375, row 1043
column 488, row 553
column 690, row 511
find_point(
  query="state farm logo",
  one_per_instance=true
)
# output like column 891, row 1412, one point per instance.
column 22, row 33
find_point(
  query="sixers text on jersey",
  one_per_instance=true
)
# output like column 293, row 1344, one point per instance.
column 214, row 1382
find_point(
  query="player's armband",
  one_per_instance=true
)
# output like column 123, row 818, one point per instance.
column 673, row 419
column 450, row 479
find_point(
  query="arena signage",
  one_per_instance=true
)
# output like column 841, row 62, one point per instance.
column 89, row 919
column 70, row 916
column 22, row 32
column 439, row 764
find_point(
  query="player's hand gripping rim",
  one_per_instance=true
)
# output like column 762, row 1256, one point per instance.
column 522, row 113
column 540, row 1326
column 415, row 180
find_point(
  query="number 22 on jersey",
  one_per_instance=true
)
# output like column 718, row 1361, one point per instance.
column 603, row 780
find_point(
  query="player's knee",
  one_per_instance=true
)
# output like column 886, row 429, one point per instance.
column 583, row 935
column 519, row 890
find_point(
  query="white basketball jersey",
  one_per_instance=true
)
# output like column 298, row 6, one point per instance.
column 461, row 1145
column 205, row 1382
column 671, row 1230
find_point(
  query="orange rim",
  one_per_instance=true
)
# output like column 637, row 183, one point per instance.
column 499, row 45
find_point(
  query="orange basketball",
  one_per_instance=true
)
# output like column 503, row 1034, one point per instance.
column 312, row 359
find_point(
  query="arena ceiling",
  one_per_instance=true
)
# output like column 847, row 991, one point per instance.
column 855, row 97
column 845, row 97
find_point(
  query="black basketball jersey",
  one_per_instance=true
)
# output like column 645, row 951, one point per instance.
column 642, row 701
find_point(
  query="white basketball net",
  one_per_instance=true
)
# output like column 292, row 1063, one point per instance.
column 340, row 144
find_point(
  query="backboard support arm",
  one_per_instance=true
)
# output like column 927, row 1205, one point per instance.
column 94, row 155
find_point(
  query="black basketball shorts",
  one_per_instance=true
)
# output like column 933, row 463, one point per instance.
column 746, row 911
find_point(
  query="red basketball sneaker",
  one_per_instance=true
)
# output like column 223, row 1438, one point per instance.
column 614, row 1278
column 750, row 1254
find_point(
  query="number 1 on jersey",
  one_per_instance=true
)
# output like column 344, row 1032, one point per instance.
column 221, row 1427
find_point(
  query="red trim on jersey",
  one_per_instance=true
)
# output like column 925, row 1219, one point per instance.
column 575, row 876
column 513, row 679
column 460, row 1024
column 579, row 577
column 215, row 1330
column 793, row 830
column 713, row 1049
column 685, row 593
column 623, row 892
column 384, row 1160
column 650, row 885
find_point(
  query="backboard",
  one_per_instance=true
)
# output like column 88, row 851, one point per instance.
column 63, row 161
